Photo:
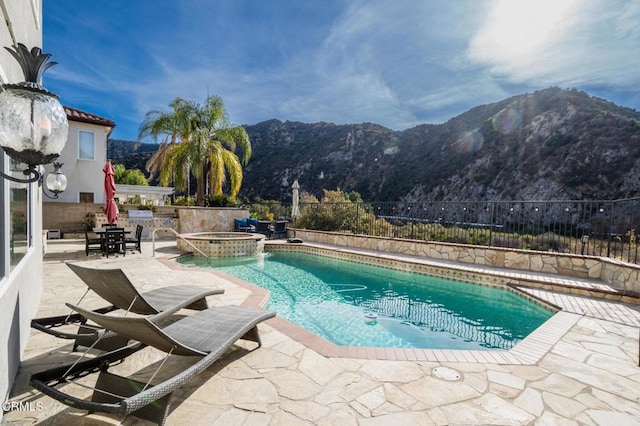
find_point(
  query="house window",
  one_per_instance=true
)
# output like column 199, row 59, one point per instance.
column 86, row 145
column 19, row 212
column 86, row 197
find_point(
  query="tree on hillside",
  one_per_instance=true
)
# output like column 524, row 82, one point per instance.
column 336, row 211
column 129, row 177
column 198, row 140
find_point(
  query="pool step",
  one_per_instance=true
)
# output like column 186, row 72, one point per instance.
column 596, row 289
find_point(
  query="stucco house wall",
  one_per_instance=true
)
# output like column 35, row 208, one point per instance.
column 84, row 175
column 20, row 285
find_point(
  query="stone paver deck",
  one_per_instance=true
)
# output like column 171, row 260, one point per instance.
column 583, row 368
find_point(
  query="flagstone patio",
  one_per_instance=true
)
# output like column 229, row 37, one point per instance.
column 588, row 375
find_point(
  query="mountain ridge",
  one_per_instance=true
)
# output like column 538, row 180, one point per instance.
column 550, row 144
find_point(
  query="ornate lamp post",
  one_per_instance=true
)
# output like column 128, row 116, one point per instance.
column 33, row 124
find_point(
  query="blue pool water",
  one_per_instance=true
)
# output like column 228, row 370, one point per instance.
column 361, row 305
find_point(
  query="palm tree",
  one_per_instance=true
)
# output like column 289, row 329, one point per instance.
column 199, row 140
column 172, row 126
column 214, row 144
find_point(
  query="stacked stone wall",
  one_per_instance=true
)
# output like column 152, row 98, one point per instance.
column 618, row 274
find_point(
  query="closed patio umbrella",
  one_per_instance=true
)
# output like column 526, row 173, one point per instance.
column 295, row 209
column 110, row 207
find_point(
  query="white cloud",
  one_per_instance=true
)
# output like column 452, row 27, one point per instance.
column 568, row 43
column 377, row 61
column 398, row 64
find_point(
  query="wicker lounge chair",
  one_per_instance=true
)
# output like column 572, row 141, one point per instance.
column 116, row 288
column 207, row 333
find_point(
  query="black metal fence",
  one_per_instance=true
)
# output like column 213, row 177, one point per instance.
column 601, row 228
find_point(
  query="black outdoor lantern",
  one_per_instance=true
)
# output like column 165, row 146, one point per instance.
column 56, row 181
column 33, row 124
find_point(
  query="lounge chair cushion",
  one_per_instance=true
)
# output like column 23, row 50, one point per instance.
column 196, row 331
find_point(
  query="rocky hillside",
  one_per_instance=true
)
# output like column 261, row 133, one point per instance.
column 133, row 155
column 551, row 144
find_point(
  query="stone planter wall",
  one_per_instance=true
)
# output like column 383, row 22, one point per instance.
column 618, row 274
column 208, row 219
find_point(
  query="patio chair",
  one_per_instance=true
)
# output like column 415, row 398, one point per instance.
column 241, row 225
column 91, row 244
column 114, row 242
column 135, row 240
column 207, row 334
column 116, row 288
column 264, row 227
column 280, row 228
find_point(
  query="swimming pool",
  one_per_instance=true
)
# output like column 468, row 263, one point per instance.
column 355, row 304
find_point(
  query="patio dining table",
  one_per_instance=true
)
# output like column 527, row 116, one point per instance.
column 102, row 232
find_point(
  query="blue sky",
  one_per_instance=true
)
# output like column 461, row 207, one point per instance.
column 396, row 63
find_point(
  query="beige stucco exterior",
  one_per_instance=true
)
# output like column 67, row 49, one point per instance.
column 83, row 175
column 21, row 287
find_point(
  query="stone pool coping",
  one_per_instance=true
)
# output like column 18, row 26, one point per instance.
column 527, row 352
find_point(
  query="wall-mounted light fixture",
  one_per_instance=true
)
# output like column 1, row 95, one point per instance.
column 56, row 181
column 33, row 124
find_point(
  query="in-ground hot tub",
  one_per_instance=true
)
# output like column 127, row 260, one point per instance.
column 223, row 244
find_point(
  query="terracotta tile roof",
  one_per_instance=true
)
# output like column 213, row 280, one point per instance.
column 74, row 114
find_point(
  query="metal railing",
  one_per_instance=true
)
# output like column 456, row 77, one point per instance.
column 599, row 227
column 153, row 239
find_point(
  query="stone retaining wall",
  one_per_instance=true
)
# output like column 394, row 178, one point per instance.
column 618, row 274
column 69, row 218
column 208, row 219
column 149, row 224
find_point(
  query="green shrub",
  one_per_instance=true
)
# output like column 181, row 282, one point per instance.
column 219, row 201
column 89, row 221
column 185, row 201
